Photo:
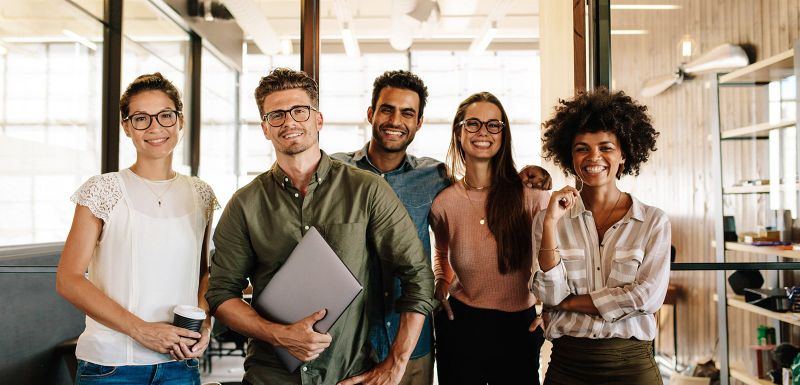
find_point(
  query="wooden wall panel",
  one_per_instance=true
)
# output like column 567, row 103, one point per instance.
column 678, row 177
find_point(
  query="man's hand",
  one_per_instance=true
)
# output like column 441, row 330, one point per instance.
column 388, row 372
column 301, row 340
column 536, row 177
column 440, row 293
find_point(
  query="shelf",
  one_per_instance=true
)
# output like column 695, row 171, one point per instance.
column 763, row 250
column 739, row 303
column 757, row 189
column 747, row 378
column 755, row 130
column 773, row 68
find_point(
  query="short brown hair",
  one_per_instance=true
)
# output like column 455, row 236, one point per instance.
column 149, row 82
column 282, row 78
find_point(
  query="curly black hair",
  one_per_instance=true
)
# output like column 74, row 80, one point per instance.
column 595, row 111
column 404, row 80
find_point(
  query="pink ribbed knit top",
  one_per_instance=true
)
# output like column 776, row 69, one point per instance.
column 466, row 252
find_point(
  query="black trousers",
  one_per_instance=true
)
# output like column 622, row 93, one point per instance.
column 483, row 346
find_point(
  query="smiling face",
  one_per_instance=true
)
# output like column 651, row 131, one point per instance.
column 481, row 144
column 395, row 119
column 596, row 157
column 292, row 137
column 156, row 141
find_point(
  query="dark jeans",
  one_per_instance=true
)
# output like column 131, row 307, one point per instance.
column 167, row 373
column 482, row 346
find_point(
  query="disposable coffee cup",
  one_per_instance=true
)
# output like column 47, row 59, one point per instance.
column 189, row 317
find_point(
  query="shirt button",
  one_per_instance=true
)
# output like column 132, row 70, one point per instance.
column 305, row 368
column 598, row 269
column 385, row 293
column 593, row 336
column 296, row 195
column 388, row 324
column 286, row 180
column 305, row 227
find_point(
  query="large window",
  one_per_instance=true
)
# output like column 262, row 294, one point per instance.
column 154, row 43
column 220, row 129
column 440, row 44
column 50, row 89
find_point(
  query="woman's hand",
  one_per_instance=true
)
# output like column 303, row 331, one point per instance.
column 190, row 348
column 561, row 201
column 440, row 293
column 161, row 336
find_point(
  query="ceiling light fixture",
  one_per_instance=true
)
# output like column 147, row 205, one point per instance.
column 287, row 47
column 629, row 32
column 644, row 7
column 479, row 44
column 350, row 42
column 345, row 18
column 254, row 23
column 80, row 39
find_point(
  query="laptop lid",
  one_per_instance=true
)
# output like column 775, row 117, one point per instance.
column 312, row 278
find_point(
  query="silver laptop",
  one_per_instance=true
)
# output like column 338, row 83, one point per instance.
column 312, row 278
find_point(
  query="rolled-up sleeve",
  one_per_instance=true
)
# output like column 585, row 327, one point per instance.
column 233, row 257
column 398, row 246
column 646, row 294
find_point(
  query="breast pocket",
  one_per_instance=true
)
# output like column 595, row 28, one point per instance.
column 575, row 262
column 348, row 241
column 624, row 267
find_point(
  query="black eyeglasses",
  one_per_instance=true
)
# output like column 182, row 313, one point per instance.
column 278, row 117
column 141, row 121
column 474, row 125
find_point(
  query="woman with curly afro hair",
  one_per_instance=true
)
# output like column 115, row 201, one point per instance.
column 603, row 255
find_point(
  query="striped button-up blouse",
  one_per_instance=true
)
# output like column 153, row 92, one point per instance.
column 626, row 274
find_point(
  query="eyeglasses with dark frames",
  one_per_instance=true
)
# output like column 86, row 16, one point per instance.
column 473, row 125
column 300, row 114
column 141, row 121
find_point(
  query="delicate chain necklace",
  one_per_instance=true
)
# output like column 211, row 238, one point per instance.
column 471, row 187
column 467, row 187
column 605, row 222
column 159, row 196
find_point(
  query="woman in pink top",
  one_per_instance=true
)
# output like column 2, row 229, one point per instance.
column 486, row 330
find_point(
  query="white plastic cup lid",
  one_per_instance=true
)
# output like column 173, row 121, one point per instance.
column 189, row 311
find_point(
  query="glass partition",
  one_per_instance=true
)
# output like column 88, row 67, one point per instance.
column 50, row 91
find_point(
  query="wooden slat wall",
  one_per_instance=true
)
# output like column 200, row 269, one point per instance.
column 678, row 177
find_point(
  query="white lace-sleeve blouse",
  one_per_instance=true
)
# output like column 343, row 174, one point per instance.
column 147, row 258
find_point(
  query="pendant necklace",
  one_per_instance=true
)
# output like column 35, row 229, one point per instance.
column 159, row 196
column 467, row 187
column 605, row 222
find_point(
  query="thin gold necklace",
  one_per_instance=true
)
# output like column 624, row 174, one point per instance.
column 158, row 196
column 471, row 187
column 467, row 187
column 605, row 222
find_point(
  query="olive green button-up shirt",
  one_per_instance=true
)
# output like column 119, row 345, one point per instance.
column 366, row 225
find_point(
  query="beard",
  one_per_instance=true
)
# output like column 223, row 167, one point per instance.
column 392, row 145
column 299, row 147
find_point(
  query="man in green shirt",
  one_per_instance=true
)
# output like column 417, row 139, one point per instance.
column 355, row 211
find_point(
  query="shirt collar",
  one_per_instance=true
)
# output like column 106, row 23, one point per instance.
column 636, row 212
column 362, row 155
column 320, row 174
